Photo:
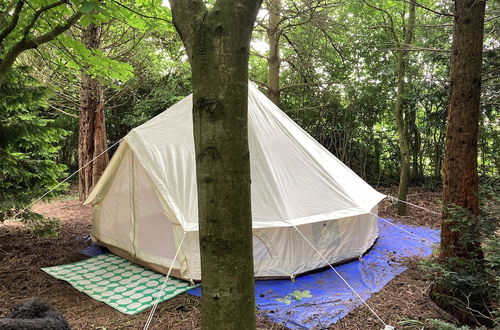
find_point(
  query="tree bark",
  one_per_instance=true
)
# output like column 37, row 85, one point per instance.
column 401, row 123
column 414, row 133
column 460, row 162
column 218, row 41
column 92, row 141
column 273, row 34
column 438, row 157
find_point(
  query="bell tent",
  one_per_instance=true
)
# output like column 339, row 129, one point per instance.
column 146, row 200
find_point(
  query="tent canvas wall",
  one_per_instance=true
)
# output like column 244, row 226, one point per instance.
column 147, row 197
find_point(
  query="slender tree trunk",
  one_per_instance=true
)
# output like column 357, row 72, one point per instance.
column 415, row 146
column 92, row 129
column 218, row 41
column 401, row 123
column 438, row 159
column 273, row 34
column 460, row 163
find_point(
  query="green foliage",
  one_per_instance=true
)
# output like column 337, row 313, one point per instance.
column 137, row 56
column 41, row 226
column 88, row 6
column 297, row 295
column 159, row 83
column 143, row 17
column 342, row 67
column 432, row 324
column 341, row 63
column 28, row 143
column 471, row 282
column 27, row 23
column 95, row 62
column 337, row 75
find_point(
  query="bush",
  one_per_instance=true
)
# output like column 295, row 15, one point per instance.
column 40, row 225
column 468, row 286
column 28, row 143
column 432, row 324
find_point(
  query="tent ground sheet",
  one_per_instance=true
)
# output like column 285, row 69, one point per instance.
column 123, row 285
column 320, row 299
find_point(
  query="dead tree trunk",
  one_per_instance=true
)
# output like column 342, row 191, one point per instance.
column 92, row 140
column 218, row 41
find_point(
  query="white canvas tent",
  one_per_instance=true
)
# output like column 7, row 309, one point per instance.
column 147, row 196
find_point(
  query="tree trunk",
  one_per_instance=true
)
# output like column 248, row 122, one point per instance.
column 460, row 162
column 401, row 123
column 273, row 34
column 219, row 42
column 460, row 182
column 438, row 157
column 415, row 146
column 92, row 140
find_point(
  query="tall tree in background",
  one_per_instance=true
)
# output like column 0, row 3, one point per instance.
column 273, row 35
column 460, row 163
column 92, row 141
column 402, row 123
column 217, row 41
column 402, row 53
column 283, row 18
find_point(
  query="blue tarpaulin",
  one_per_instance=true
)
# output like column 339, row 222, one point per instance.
column 94, row 250
column 320, row 299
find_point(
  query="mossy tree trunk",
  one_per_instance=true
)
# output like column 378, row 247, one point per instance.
column 92, row 141
column 217, row 41
column 460, row 182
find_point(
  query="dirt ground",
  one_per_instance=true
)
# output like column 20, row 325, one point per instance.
column 22, row 256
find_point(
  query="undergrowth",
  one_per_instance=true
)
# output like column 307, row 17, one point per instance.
column 468, row 286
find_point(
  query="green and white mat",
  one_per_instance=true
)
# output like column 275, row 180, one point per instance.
column 123, row 285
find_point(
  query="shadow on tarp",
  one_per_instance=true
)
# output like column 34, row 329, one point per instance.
column 329, row 299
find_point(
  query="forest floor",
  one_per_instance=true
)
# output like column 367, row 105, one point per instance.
column 22, row 256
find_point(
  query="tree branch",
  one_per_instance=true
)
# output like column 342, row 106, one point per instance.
column 183, row 14
column 255, row 53
column 309, row 84
column 427, row 8
column 54, row 33
column 261, row 84
column 25, row 44
column 15, row 18
column 39, row 13
column 332, row 43
column 491, row 18
column 141, row 14
column 316, row 107
column 389, row 16
column 62, row 111
column 409, row 47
